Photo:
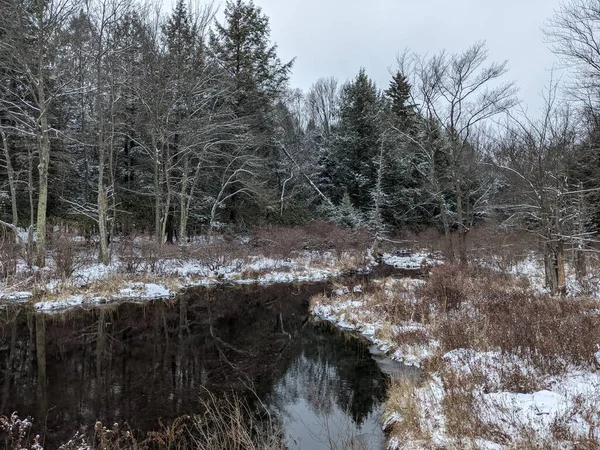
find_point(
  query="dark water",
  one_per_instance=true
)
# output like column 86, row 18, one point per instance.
column 138, row 363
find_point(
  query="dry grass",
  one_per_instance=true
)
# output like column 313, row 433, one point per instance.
column 523, row 337
column 402, row 411
column 255, row 274
column 320, row 236
column 228, row 423
column 484, row 310
column 68, row 256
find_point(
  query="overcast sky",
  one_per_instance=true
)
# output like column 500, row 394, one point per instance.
column 337, row 37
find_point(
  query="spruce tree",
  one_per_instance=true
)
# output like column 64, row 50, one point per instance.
column 258, row 78
column 350, row 164
column 242, row 46
column 399, row 98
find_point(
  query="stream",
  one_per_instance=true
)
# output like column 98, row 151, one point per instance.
column 138, row 363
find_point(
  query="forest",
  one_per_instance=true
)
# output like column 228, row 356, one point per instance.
column 121, row 119
column 179, row 223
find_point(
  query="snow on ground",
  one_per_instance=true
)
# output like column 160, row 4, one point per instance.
column 15, row 297
column 568, row 402
column 412, row 260
column 350, row 310
column 506, row 409
column 532, row 269
column 305, row 267
column 131, row 291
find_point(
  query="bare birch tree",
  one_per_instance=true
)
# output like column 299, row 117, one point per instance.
column 29, row 45
column 535, row 157
column 458, row 93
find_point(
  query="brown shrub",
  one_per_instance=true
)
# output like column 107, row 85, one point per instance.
column 552, row 327
column 500, row 248
column 145, row 255
column 397, row 308
column 9, row 256
column 447, row 287
column 282, row 242
column 68, row 256
column 412, row 336
column 402, row 398
column 552, row 331
column 219, row 251
column 279, row 242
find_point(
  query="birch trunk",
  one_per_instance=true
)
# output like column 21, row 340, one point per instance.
column 183, row 204
column 11, row 183
column 44, row 155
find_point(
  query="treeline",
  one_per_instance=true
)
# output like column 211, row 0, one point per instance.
column 123, row 118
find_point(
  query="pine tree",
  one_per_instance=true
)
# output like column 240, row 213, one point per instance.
column 404, row 184
column 243, row 49
column 242, row 46
column 399, row 97
column 351, row 163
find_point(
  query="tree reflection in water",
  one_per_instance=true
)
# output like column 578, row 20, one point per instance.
column 138, row 363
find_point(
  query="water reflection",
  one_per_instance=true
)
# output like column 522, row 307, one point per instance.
column 138, row 363
column 332, row 392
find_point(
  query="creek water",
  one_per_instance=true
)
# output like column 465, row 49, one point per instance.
column 141, row 363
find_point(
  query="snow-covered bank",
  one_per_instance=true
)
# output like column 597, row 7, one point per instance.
column 122, row 279
column 97, row 284
column 357, row 311
column 507, row 366
column 137, row 291
column 563, row 412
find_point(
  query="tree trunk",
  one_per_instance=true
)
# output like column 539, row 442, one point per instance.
column 102, row 197
column 580, row 262
column 550, row 268
column 167, row 207
column 183, row 212
column 560, row 269
column 447, row 233
column 462, row 229
column 102, row 212
column 157, row 193
column 44, row 154
column 11, row 183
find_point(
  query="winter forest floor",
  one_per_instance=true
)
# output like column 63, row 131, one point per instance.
column 142, row 270
column 506, row 365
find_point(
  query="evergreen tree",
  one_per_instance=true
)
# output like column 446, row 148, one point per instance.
column 180, row 37
column 399, row 98
column 403, row 184
column 242, row 46
column 243, row 49
column 351, row 163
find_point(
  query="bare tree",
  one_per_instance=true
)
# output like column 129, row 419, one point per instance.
column 105, row 16
column 29, row 45
column 322, row 103
column 11, row 183
column 456, row 94
column 535, row 157
column 574, row 34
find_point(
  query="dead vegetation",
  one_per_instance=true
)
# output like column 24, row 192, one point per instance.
column 226, row 423
column 73, row 259
column 485, row 332
column 500, row 336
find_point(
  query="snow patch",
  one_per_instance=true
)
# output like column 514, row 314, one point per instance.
column 409, row 260
column 132, row 291
column 15, row 296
